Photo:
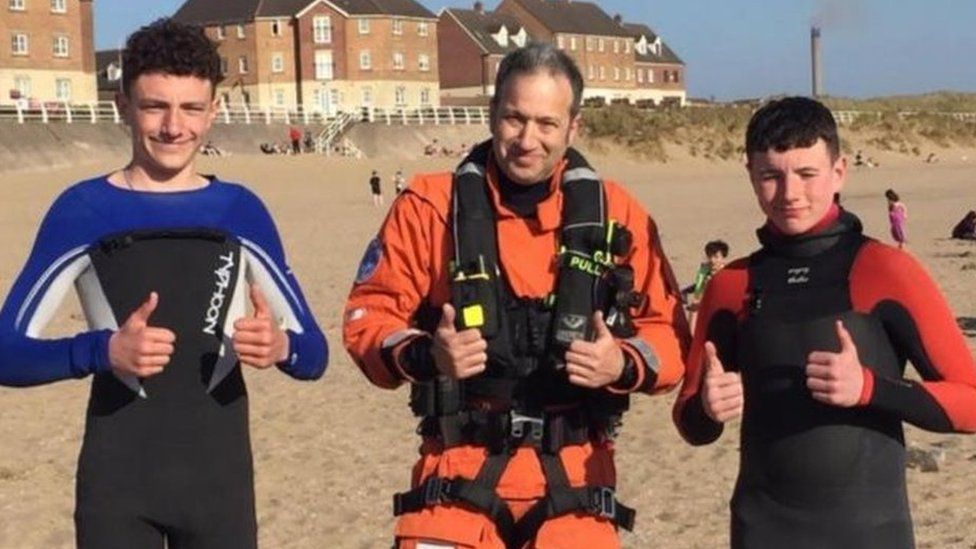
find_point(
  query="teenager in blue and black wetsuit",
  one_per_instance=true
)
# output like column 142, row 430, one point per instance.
column 807, row 340
column 164, row 261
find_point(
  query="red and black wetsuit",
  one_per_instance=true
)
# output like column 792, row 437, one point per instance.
column 814, row 475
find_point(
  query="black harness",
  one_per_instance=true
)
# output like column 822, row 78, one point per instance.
column 527, row 391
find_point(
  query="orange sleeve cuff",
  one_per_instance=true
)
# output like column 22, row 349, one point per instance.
column 867, row 390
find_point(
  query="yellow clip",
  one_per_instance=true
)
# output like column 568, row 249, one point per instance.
column 474, row 316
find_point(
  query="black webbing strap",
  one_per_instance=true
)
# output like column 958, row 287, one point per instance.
column 561, row 498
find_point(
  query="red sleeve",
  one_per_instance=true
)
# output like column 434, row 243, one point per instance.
column 891, row 284
column 718, row 315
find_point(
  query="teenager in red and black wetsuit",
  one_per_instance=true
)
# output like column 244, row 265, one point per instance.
column 807, row 339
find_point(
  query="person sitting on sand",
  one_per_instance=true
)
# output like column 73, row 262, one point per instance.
column 966, row 228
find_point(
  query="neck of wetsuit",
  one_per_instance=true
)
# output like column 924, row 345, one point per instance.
column 522, row 199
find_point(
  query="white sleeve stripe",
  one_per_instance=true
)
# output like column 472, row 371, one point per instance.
column 273, row 267
column 56, row 266
column 279, row 303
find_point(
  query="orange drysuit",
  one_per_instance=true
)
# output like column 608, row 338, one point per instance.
column 408, row 266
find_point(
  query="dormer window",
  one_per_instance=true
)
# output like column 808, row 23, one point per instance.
column 520, row 37
column 656, row 46
column 501, row 37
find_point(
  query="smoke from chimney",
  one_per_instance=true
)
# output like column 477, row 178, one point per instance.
column 816, row 75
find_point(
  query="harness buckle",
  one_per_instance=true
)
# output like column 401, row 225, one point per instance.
column 436, row 490
column 603, row 503
column 518, row 423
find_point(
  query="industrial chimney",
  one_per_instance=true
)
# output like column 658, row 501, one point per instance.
column 817, row 77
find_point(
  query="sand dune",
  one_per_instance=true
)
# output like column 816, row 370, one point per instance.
column 329, row 455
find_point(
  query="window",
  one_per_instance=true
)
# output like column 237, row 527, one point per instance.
column 616, row 46
column 400, row 96
column 519, row 38
column 277, row 63
column 23, row 86
column 223, row 65
column 363, row 26
column 590, row 72
column 279, row 97
column 589, row 43
column 425, row 96
column 559, row 42
column 242, row 64
column 601, row 45
column 322, row 29
column 676, row 77
column 397, row 26
column 60, row 46
column 603, row 73
column 59, row 6
column 276, row 28
column 640, row 76
column 397, row 61
column 365, row 62
column 334, row 98
column 17, row 5
column 367, row 95
column 62, row 89
column 220, row 32
column 19, row 44
column 627, row 74
column 626, row 46
column 422, row 29
column 240, row 31
column 616, row 73
column 572, row 43
column 323, row 65
column 423, row 61
column 650, row 76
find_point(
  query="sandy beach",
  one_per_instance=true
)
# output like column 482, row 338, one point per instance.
column 329, row 455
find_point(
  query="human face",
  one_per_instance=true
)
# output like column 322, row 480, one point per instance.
column 531, row 126
column 795, row 188
column 169, row 117
column 716, row 261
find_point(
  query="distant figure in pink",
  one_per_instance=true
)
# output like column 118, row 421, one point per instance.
column 898, row 216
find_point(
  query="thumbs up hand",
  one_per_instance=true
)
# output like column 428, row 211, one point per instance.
column 836, row 378
column 595, row 363
column 721, row 391
column 458, row 355
column 137, row 348
column 258, row 341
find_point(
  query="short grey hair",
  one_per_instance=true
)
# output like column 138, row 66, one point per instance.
column 535, row 57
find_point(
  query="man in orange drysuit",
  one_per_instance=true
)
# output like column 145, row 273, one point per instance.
column 519, row 409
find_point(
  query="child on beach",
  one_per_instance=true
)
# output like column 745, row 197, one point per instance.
column 897, row 216
column 716, row 251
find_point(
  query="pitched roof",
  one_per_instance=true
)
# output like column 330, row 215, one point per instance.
column 103, row 59
column 637, row 30
column 207, row 12
column 481, row 25
column 572, row 16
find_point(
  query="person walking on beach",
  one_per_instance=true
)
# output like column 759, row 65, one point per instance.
column 897, row 218
column 399, row 182
column 520, row 358
column 806, row 340
column 165, row 262
column 375, row 190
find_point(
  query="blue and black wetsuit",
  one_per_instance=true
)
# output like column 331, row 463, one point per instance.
column 166, row 456
column 813, row 475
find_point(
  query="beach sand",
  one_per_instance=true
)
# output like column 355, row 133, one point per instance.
column 329, row 455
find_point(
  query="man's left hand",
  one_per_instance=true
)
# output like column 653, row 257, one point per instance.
column 596, row 363
column 836, row 378
column 258, row 341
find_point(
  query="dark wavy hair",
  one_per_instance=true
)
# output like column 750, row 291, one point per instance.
column 790, row 123
column 166, row 46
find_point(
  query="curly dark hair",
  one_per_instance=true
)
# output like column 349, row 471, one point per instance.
column 790, row 123
column 169, row 47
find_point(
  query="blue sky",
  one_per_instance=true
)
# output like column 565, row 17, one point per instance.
column 748, row 48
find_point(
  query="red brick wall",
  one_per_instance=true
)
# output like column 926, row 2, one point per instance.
column 461, row 59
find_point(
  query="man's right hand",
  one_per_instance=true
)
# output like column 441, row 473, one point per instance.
column 139, row 349
column 458, row 355
column 721, row 391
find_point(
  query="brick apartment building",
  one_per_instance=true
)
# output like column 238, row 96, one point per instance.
column 47, row 53
column 618, row 61
column 327, row 54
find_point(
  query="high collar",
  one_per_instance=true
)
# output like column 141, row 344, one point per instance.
column 838, row 225
column 548, row 211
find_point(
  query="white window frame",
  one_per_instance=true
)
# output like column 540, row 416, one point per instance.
column 559, row 42
column 425, row 96
column 276, row 27
column 616, row 74
column 242, row 67
column 572, row 43
column 640, row 76
column 240, row 32
column 603, row 73
column 650, row 76
column 422, row 29
column 365, row 60
column 616, row 46
column 322, row 29
column 323, row 65
column 400, row 96
column 23, row 84
column 62, row 89
column 363, row 25
column 367, row 95
column 60, row 47
column 398, row 64
column 590, row 46
column 279, row 97
column 19, row 44
column 17, row 5
column 277, row 62
column 423, row 62
column 626, row 46
column 627, row 74
column 221, row 32
column 590, row 72
column 398, row 27
column 59, row 6
column 600, row 45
